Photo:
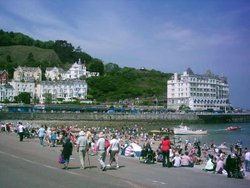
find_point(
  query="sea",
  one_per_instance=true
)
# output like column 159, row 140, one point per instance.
column 217, row 134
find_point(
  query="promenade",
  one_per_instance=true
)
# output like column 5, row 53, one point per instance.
column 30, row 165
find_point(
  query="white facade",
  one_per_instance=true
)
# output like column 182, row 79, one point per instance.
column 20, row 87
column 66, row 90
column 76, row 71
column 199, row 92
column 54, row 73
column 6, row 92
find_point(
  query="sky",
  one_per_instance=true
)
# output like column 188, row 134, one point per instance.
column 165, row 35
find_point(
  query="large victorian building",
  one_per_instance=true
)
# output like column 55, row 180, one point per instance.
column 67, row 90
column 198, row 92
column 54, row 73
column 28, row 74
column 25, row 79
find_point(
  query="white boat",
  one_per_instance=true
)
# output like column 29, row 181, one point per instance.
column 184, row 130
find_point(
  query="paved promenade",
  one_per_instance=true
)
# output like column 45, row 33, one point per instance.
column 27, row 164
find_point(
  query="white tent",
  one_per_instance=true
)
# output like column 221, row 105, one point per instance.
column 136, row 147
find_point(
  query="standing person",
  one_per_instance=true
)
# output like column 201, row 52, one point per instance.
column 229, row 166
column 48, row 136
column 20, row 129
column 53, row 138
column 82, row 147
column 247, row 161
column 101, row 149
column 165, row 147
column 41, row 133
column 89, row 137
column 114, row 149
column 67, row 151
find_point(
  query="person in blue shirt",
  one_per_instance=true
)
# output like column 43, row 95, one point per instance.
column 41, row 133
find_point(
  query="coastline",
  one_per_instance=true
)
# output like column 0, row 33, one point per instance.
column 98, row 123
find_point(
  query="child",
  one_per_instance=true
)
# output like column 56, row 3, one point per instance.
column 176, row 160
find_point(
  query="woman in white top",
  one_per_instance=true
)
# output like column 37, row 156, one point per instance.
column 113, row 150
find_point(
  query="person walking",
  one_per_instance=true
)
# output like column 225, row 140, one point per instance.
column 101, row 149
column 165, row 147
column 53, row 138
column 114, row 149
column 20, row 129
column 82, row 148
column 41, row 133
column 67, row 151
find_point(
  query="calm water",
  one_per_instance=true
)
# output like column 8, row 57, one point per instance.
column 218, row 134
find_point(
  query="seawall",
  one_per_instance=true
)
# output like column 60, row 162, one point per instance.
column 107, row 119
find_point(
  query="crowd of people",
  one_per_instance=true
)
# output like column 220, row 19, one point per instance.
column 232, row 161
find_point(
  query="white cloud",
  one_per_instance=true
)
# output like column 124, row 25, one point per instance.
column 223, row 39
column 32, row 11
column 180, row 37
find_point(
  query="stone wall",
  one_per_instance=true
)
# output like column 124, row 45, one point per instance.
column 96, row 116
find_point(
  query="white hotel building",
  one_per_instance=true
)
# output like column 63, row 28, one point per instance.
column 198, row 92
column 65, row 89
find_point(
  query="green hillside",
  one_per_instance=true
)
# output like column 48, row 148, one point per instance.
column 130, row 85
column 20, row 53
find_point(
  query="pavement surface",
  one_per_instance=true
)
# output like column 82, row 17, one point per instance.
column 27, row 164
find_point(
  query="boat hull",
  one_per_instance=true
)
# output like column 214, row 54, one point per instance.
column 189, row 132
column 233, row 128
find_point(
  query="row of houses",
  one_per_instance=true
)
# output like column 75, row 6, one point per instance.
column 196, row 91
column 60, row 84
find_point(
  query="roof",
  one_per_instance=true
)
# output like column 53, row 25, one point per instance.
column 3, row 71
column 27, row 69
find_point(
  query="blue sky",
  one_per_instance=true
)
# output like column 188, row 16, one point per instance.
column 165, row 35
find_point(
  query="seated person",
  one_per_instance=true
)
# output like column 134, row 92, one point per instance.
column 147, row 153
column 210, row 166
column 146, row 149
column 219, row 165
column 186, row 160
column 176, row 160
column 159, row 156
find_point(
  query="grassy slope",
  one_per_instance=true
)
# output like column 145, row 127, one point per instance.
column 20, row 53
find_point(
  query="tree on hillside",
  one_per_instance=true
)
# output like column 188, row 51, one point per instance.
column 5, row 39
column 46, row 45
column 96, row 65
column 21, row 39
column 111, row 67
column 30, row 58
column 64, row 50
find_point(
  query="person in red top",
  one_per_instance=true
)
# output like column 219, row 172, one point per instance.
column 165, row 146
